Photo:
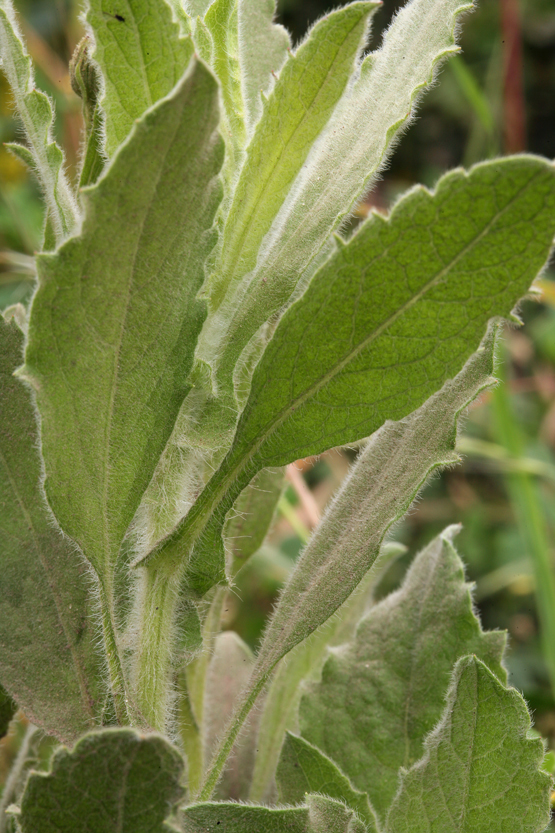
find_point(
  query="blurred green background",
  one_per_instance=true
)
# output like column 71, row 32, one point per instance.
column 497, row 97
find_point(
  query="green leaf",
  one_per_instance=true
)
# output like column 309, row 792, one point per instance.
column 304, row 769
column 35, row 110
column 251, row 517
column 481, row 770
column 335, row 175
column 111, row 780
column 221, row 21
column 115, row 319
column 48, row 660
column 224, row 817
column 383, row 693
column 404, row 303
column 378, row 491
column 309, row 86
column 329, row 816
column 263, row 46
column 142, row 57
column 281, row 700
column 228, row 673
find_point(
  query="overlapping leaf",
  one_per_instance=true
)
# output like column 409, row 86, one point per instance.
column 309, row 86
column 304, row 769
column 380, row 695
column 142, row 57
column 481, row 770
column 336, row 173
column 111, row 780
column 48, row 656
column 403, row 304
column 115, row 319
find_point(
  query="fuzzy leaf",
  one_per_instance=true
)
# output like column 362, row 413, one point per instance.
column 111, row 780
column 329, row 816
column 253, row 511
column 308, row 88
column 48, row 659
column 263, row 47
column 481, row 770
column 227, row 817
column 115, row 319
column 337, row 172
column 228, row 673
column 304, row 769
column 281, row 700
column 403, row 303
column 378, row 491
column 383, row 693
column 35, row 110
column 222, row 23
column 142, row 57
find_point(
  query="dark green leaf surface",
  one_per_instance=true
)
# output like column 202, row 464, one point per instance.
column 383, row 693
column 304, row 769
column 403, row 304
column 115, row 780
column 48, row 659
column 115, row 319
column 481, row 771
column 223, row 817
column 141, row 55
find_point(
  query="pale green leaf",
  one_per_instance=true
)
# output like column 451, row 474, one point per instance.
column 228, row 673
column 281, row 700
column 309, row 86
column 111, row 780
column 403, row 303
column 195, row 8
column 481, row 770
column 36, row 113
column 378, row 491
column 380, row 695
column 115, row 319
column 251, row 517
column 302, row 769
column 336, row 173
column 326, row 815
column 263, row 46
column 227, row 817
column 142, row 56
column 221, row 21
column 48, row 659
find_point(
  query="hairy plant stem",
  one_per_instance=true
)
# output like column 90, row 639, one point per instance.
column 164, row 577
column 160, row 595
column 223, row 750
column 115, row 670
